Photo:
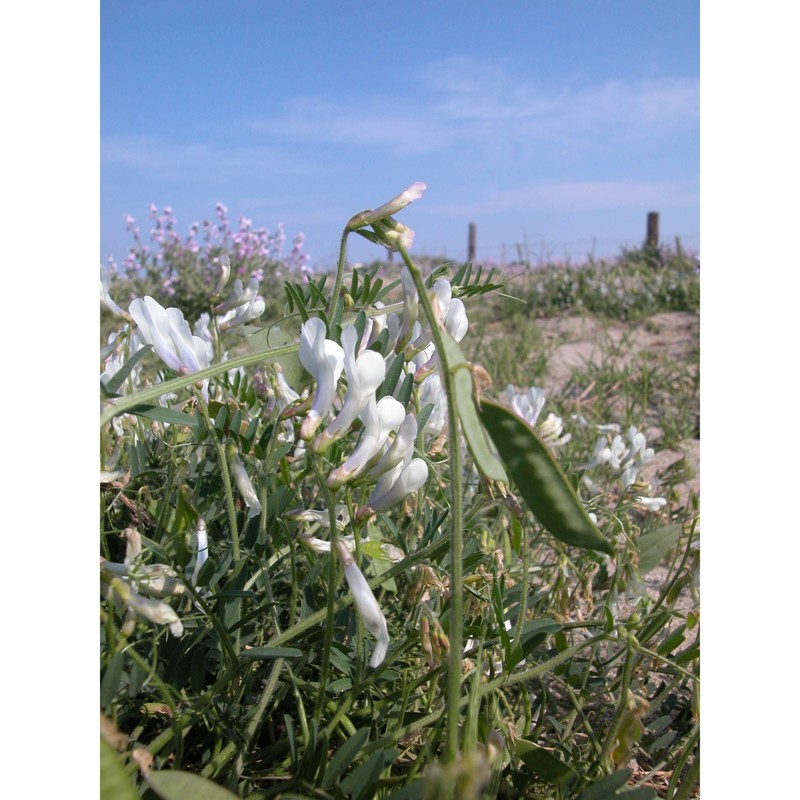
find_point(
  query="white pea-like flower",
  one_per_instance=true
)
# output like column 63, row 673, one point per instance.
column 156, row 611
column 652, row 503
column 245, row 486
column 395, row 485
column 400, row 449
column 321, row 516
column 551, row 431
column 201, row 540
column 406, row 197
column 365, row 374
column 239, row 296
column 105, row 297
column 636, row 457
column 169, row 334
column 366, row 605
column 324, row 360
column 381, row 418
column 453, row 312
column 243, row 314
column 526, row 405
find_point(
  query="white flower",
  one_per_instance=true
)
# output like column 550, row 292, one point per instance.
column 239, row 295
column 105, row 297
column 432, row 392
column 636, row 457
column 396, row 484
column 157, row 580
column 202, row 549
column 550, row 431
column 243, row 314
column 380, row 419
column 155, row 610
column 322, row 517
column 366, row 604
column 169, row 333
column 652, row 503
column 392, row 234
column 224, row 273
column 407, row 196
column 324, row 546
column 453, row 312
column 400, row 449
column 364, row 375
column 324, row 359
column 245, row 486
column 526, row 405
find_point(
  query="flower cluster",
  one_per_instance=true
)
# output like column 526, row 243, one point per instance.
column 528, row 405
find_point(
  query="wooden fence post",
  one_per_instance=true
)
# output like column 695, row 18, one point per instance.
column 471, row 242
column 652, row 230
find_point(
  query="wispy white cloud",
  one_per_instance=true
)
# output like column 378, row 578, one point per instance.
column 573, row 196
column 205, row 158
column 473, row 101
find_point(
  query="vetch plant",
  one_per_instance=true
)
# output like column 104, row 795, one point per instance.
column 355, row 431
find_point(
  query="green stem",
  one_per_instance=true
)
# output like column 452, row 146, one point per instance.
column 431, row 552
column 486, row 690
column 226, row 476
column 337, row 285
column 330, row 499
column 625, row 681
column 254, row 724
column 455, row 631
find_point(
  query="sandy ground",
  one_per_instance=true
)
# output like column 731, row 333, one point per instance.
column 579, row 340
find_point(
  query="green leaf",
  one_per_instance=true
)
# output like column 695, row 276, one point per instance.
column 114, row 781
column 118, row 378
column 175, row 784
column 271, row 652
column 403, row 394
column 654, row 546
column 344, row 757
column 272, row 337
column 653, row 626
column 540, row 479
column 411, row 791
column 362, row 782
column 161, row 414
column 111, row 679
column 392, row 376
column 607, row 786
column 542, row 762
column 457, row 364
column 534, row 632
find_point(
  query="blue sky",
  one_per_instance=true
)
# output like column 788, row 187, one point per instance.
column 554, row 126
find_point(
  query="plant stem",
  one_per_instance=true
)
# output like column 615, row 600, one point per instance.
column 456, row 521
column 337, row 286
column 226, row 477
column 625, row 681
column 330, row 499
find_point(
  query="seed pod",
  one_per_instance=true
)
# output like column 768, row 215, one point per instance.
column 540, row 479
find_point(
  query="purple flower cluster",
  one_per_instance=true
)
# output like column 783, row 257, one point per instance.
column 252, row 251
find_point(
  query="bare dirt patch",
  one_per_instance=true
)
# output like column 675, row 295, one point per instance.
column 578, row 341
